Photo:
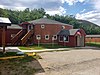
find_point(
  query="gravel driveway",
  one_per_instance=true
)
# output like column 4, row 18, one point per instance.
column 74, row 62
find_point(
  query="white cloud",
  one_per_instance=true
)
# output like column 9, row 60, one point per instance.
column 92, row 16
column 60, row 11
column 51, row 6
column 31, row 3
column 96, row 4
column 18, row 8
column 83, row 10
column 71, row 2
column 1, row 6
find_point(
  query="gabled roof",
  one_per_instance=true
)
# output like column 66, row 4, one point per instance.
column 47, row 21
column 5, row 21
column 64, row 32
column 67, row 32
column 73, row 31
column 14, row 26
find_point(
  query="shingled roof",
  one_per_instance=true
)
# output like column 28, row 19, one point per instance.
column 67, row 32
column 14, row 26
column 46, row 21
column 64, row 32
column 4, row 21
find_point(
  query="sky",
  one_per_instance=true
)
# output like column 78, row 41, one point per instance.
column 82, row 9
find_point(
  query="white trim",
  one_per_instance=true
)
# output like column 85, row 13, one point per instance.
column 63, row 39
column 68, row 39
column 63, row 27
column 53, row 38
column 43, row 26
column 29, row 27
column 59, row 39
column 38, row 37
column 46, row 36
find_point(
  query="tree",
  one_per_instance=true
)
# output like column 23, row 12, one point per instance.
column 18, row 17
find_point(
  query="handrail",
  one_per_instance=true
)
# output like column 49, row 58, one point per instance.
column 28, row 34
column 16, row 37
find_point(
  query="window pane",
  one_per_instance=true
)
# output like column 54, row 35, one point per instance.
column 42, row 26
column 47, row 37
column 66, row 38
column 30, row 27
column 61, row 38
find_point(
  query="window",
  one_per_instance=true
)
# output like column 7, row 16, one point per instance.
column 29, row 27
column 66, row 38
column 46, row 37
column 42, row 26
column 63, row 27
column 61, row 38
column 38, row 37
column 54, row 37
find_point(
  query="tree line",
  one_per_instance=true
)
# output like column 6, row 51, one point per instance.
column 18, row 17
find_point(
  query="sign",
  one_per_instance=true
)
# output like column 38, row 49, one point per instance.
column 38, row 37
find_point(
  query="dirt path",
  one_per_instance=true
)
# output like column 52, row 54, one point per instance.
column 74, row 62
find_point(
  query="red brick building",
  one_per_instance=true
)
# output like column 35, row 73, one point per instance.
column 11, row 31
column 44, row 31
column 47, row 29
column 93, row 38
column 72, row 37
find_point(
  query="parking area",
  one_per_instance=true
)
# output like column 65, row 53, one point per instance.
column 83, row 61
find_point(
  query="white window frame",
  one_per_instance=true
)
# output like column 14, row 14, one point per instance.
column 59, row 39
column 67, row 40
column 38, row 36
column 63, row 27
column 46, row 38
column 63, row 39
column 43, row 26
column 53, row 38
column 30, row 27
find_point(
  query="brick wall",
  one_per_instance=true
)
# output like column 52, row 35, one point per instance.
column 48, row 30
column 92, row 39
column 8, row 35
column 71, row 42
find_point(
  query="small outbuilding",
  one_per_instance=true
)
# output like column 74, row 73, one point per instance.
column 4, row 22
column 72, row 37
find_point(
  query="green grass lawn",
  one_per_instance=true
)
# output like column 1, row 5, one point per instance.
column 42, row 46
column 12, row 64
column 7, row 54
column 93, row 44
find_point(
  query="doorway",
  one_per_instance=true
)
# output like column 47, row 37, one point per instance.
column 79, row 41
